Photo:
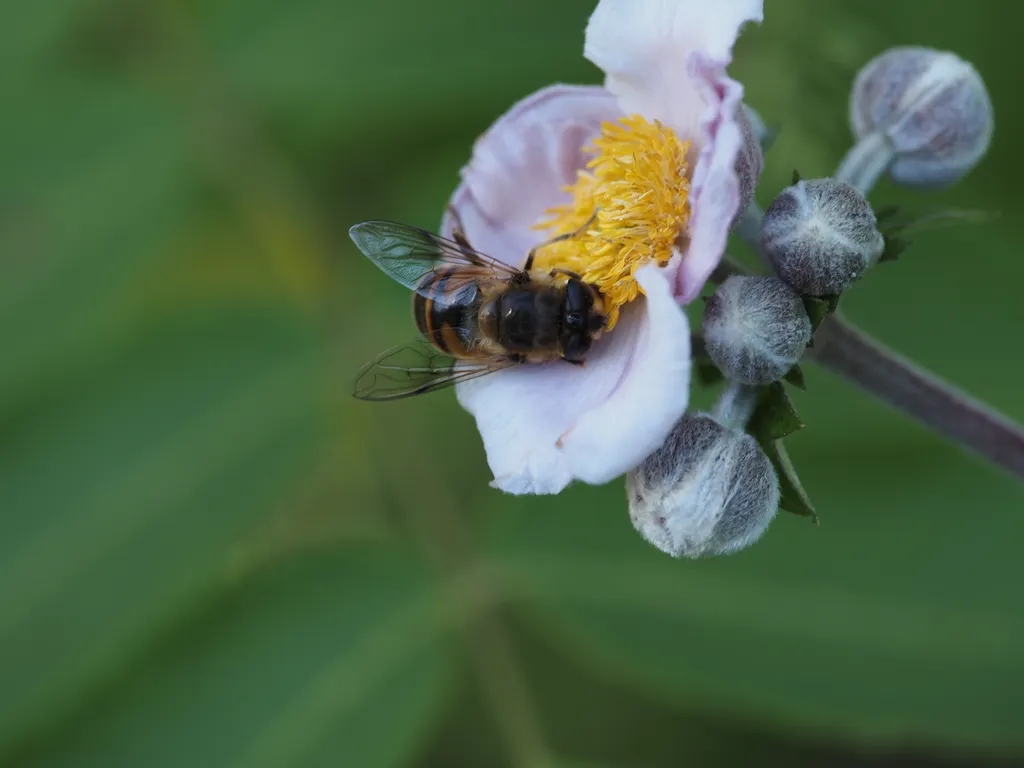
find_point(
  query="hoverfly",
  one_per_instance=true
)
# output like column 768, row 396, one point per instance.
column 476, row 314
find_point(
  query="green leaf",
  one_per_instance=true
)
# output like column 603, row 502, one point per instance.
column 894, row 248
column 123, row 492
column 796, row 377
column 796, row 179
column 887, row 215
column 775, row 417
column 797, row 634
column 311, row 38
column 334, row 658
column 817, row 310
column 896, row 222
column 793, row 497
column 893, row 219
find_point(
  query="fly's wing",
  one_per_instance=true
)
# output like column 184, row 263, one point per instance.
column 407, row 254
column 416, row 368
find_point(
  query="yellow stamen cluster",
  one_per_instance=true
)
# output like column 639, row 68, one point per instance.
column 628, row 208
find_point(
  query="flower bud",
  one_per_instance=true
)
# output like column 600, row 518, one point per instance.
column 707, row 491
column 755, row 329
column 749, row 159
column 932, row 109
column 820, row 236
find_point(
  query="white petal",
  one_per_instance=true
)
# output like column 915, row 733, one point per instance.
column 645, row 49
column 521, row 165
column 545, row 425
column 666, row 60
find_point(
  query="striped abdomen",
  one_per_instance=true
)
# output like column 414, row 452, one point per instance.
column 445, row 307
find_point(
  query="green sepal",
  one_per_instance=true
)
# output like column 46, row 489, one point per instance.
column 796, row 378
column 895, row 223
column 792, row 496
column 820, row 308
column 894, row 247
column 797, row 178
column 773, row 419
column 887, row 216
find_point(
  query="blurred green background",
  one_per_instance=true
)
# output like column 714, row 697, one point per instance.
column 210, row 555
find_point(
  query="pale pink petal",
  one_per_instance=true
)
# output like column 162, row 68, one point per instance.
column 520, row 167
column 715, row 187
column 666, row 60
column 545, row 425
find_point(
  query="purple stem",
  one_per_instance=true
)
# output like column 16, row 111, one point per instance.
column 846, row 351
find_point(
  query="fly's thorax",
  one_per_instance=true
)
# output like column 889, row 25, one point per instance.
column 526, row 319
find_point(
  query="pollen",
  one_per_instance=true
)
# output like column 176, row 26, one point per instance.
column 629, row 208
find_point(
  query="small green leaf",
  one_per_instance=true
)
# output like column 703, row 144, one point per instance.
column 895, row 223
column 796, row 377
column 817, row 310
column 833, row 302
column 886, row 216
column 337, row 652
column 775, row 417
column 894, row 247
column 797, row 178
column 793, row 497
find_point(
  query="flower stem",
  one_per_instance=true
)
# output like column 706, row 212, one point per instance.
column 846, row 351
column 866, row 161
column 736, row 405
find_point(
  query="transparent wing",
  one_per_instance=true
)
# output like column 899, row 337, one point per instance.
column 407, row 253
column 416, row 368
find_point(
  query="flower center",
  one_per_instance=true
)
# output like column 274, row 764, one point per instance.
column 628, row 208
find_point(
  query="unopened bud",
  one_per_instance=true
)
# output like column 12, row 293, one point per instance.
column 707, row 491
column 755, row 329
column 749, row 159
column 820, row 236
column 927, row 109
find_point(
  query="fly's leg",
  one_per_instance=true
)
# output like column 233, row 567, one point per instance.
column 557, row 239
column 566, row 272
column 459, row 231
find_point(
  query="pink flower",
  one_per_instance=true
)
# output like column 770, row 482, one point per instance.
column 667, row 193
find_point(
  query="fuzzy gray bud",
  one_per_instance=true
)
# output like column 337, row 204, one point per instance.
column 707, row 491
column 755, row 329
column 750, row 158
column 930, row 107
column 820, row 236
